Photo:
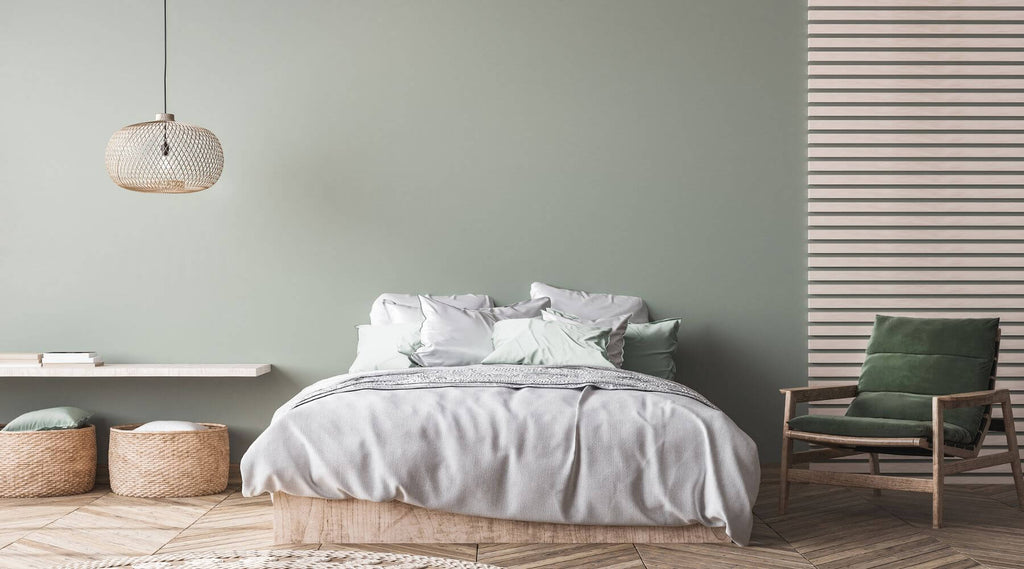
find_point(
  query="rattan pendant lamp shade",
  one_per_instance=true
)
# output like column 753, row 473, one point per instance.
column 163, row 155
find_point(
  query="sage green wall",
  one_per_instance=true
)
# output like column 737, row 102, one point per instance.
column 645, row 147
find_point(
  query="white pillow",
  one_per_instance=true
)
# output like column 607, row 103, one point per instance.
column 396, row 313
column 384, row 346
column 590, row 305
column 169, row 426
column 453, row 336
column 379, row 315
column 617, row 325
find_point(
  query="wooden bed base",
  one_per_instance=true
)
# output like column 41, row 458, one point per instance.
column 319, row 520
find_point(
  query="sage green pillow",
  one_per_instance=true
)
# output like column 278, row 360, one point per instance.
column 49, row 420
column 650, row 347
column 532, row 341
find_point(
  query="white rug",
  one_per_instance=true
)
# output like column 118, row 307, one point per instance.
column 279, row 559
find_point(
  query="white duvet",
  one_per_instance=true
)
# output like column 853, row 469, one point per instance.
column 559, row 444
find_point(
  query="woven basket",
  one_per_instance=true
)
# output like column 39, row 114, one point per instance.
column 34, row 464
column 168, row 464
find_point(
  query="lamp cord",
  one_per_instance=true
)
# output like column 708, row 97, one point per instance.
column 165, row 56
column 165, row 149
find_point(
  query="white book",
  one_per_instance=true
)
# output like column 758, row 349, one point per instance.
column 69, row 354
column 71, row 360
column 97, row 363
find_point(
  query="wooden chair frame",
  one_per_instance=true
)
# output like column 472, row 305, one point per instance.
column 834, row 446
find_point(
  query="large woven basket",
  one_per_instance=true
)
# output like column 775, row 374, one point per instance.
column 168, row 464
column 47, row 463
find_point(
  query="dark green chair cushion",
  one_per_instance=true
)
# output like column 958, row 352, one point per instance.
column 875, row 427
column 909, row 360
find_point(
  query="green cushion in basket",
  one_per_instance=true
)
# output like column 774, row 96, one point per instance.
column 49, row 419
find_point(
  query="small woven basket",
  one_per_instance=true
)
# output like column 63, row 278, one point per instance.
column 34, row 464
column 168, row 464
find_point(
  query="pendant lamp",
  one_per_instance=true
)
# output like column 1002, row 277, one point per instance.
column 163, row 155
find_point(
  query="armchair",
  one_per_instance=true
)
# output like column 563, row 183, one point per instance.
column 927, row 388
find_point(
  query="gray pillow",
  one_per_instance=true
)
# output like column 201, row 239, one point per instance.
column 649, row 348
column 50, row 419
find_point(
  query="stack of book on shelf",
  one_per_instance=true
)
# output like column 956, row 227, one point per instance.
column 21, row 360
column 71, row 359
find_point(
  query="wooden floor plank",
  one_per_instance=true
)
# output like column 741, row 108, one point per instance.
column 560, row 556
column 22, row 516
column 236, row 523
column 463, row 551
column 766, row 550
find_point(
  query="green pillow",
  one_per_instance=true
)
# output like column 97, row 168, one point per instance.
column 650, row 347
column 49, row 420
column 532, row 341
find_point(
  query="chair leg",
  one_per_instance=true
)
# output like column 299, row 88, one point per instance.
column 1011, row 445
column 873, row 463
column 787, row 456
column 938, row 458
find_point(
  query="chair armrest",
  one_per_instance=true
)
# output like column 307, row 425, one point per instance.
column 972, row 399
column 805, row 394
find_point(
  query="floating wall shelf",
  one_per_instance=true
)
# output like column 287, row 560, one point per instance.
column 141, row 370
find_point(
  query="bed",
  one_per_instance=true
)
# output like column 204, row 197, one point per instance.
column 504, row 453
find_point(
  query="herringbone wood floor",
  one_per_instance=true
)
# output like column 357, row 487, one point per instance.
column 827, row 527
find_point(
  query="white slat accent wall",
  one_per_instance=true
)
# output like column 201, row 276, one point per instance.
column 916, row 181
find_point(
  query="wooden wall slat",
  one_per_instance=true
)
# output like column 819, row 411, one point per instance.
column 904, row 261
column 869, row 316
column 917, row 15
column 896, row 248
column 994, row 179
column 863, row 166
column 916, row 234
column 864, row 331
column 890, row 138
column 918, row 275
column 874, row 28
column 874, row 111
column 862, row 289
column 866, row 123
column 937, row 193
column 915, row 152
column 884, row 5
column 884, row 304
column 915, row 220
column 900, row 69
column 914, row 207
column 929, row 97
column 848, row 42
column 915, row 181
column 931, row 56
